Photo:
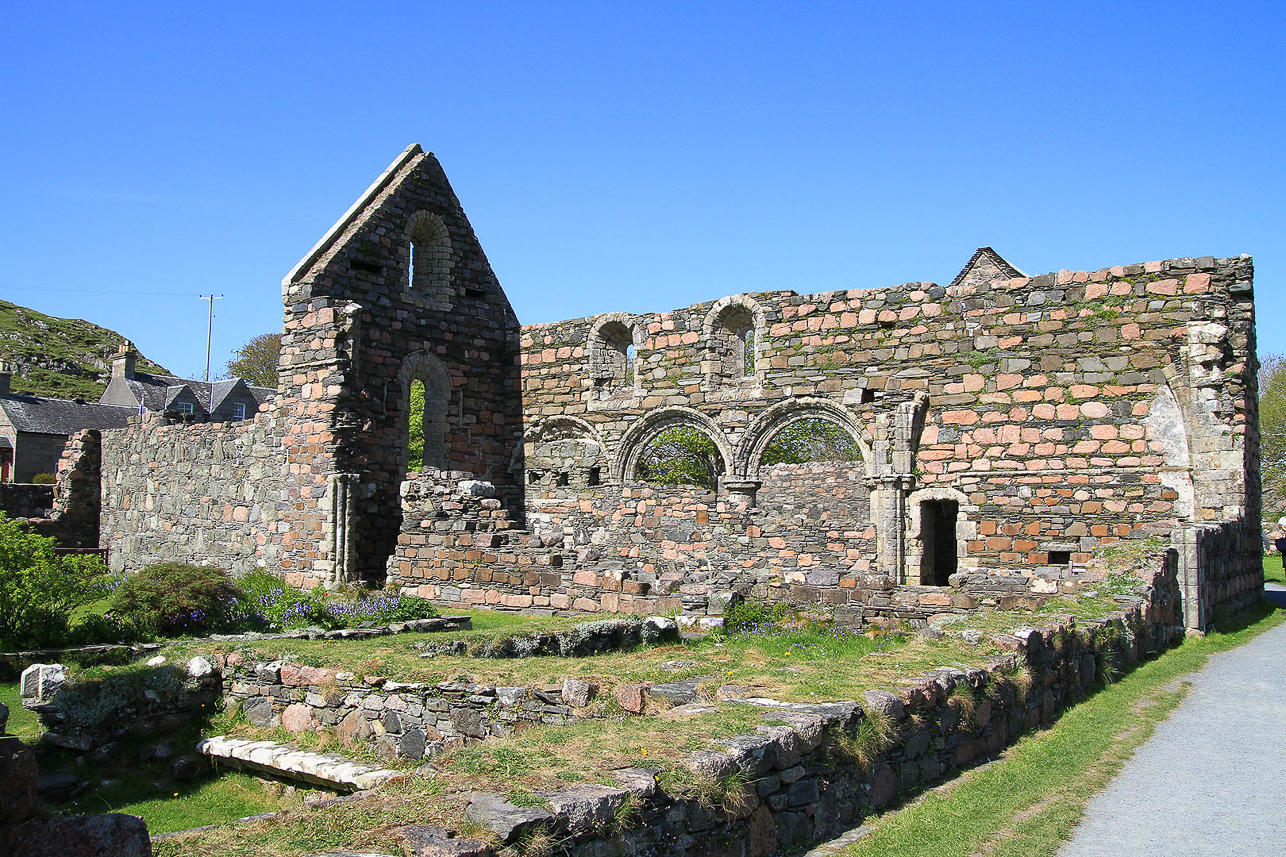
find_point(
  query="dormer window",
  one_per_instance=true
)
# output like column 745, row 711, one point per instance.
column 239, row 411
column 183, row 407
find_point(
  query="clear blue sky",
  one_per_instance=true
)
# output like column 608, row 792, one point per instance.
column 630, row 156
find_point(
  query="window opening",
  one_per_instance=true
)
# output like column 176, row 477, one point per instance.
column 810, row 439
column 239, row 411
column 415, row 429
column 183, row 407
column 938, row 534
column 1060, row 557
column 681, row 455
column 595, row 475
column 868, row 396
column 563, row 479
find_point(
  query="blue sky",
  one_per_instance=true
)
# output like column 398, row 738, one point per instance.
column 630, row 156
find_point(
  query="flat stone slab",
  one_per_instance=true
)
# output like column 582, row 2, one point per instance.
column 323, row 769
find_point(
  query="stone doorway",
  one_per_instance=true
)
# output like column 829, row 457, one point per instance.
column 938, row 535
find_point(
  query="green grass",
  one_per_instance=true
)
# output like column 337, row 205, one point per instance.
column 171, row 806
column 1273, row 572
column 22, row 722
column 40, row 341
column 1027, row 804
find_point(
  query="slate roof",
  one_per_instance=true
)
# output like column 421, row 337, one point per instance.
column 38, row 415
column 158, row 392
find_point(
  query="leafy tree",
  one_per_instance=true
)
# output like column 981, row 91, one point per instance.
column 415, row 432
column 811, row 439
column 1272, row 434
column 681, row 455
column 256, row 361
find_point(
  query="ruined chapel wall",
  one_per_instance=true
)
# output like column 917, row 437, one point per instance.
column 1039, row 394
column 207, row 493
column 358, row 327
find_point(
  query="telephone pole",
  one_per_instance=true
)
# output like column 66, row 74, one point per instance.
column 209, row 331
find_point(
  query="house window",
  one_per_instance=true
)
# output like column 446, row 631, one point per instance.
column 183, row 407
column 239, row 411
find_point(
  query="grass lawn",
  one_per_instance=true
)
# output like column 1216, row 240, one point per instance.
column 1027, row 804
column 168, row 806
column 1273, row 572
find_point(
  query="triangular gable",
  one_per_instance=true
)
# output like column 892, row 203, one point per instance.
column 986, row 265
column 399, row 169
column 221, row 390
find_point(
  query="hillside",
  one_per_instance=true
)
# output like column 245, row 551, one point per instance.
column 64, row 358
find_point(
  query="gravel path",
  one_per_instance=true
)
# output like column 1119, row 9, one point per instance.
column 1212, row 779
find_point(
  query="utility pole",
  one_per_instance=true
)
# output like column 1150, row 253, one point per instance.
column 209, row 330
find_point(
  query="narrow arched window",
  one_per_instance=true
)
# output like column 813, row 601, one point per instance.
column 428, row 254
column 733, row 343
column 613, row 358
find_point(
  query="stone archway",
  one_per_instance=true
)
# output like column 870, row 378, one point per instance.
column 429, row 370
column 635, row 440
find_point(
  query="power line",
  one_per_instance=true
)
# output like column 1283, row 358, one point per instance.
column 58, row 291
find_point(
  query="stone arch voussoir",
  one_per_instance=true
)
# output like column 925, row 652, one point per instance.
column 646, row 427
column 760, row 433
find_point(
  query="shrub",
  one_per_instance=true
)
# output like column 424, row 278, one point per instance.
column 174, row 598
column 273, row 605
column 751, row 615
column 44, row 479
column 39, row 589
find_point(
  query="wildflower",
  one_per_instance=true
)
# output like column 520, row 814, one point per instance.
column 643, row 751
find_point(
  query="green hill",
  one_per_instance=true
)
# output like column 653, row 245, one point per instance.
column 64, row 358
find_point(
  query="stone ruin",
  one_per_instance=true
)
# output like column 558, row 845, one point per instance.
column 1007, row 425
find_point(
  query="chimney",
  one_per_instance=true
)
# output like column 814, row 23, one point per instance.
column 5, row 376
column 123, row 362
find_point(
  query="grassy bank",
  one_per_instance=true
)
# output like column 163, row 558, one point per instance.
column 1027, row 804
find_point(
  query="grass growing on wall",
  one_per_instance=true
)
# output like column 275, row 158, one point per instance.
column 1027, row 804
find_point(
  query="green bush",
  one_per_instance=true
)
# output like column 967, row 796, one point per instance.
column 755, row 615
column 44, row 479
column 173, row 599
column 39, row 589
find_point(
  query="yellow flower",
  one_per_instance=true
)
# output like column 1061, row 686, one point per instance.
column 643, row 751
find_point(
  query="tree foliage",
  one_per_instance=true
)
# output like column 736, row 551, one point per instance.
column 256, row 361
column 415, row 429
column 681, row 455
column 684, row 455
column 811, row 439
column 1272, row 434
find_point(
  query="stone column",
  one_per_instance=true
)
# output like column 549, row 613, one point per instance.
column 1187, row 541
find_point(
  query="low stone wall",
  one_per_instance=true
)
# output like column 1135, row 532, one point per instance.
column 405, row 720
column 24, row 500
column 1221, row 569
column 412, row 720
column 84, row 715
column 801, row 779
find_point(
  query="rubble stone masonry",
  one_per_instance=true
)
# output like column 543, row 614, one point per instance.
column 1007, row 426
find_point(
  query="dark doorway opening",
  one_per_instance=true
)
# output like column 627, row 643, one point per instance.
column 938, row 532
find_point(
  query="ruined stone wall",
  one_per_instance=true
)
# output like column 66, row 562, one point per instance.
column 397, row 291
column 1052, row 413
column 206, row 493
column 25, row 500
column 364, row 317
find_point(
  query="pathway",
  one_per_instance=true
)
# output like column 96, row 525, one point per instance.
column 1212, row 779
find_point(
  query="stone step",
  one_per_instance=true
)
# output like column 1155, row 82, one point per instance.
column 320, row 769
